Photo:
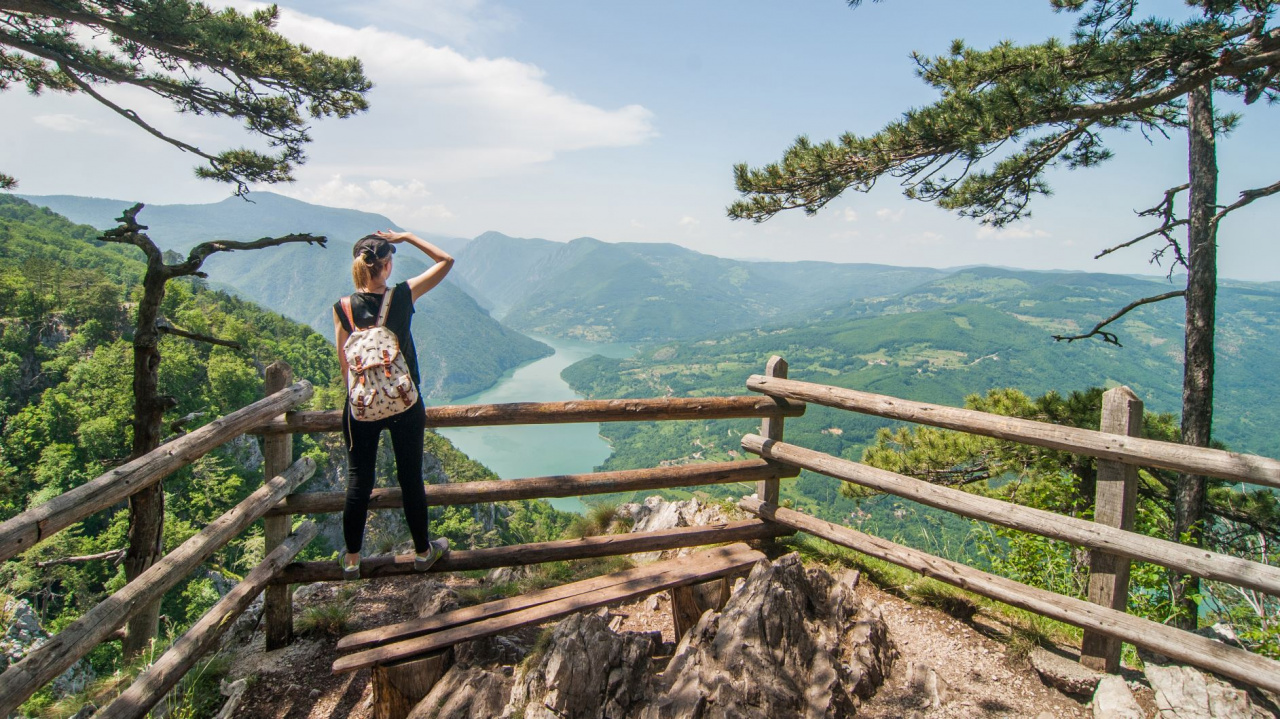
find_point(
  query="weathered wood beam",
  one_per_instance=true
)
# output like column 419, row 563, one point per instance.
column 1131, row 450
column 1192, row 560
column 568, row 485
column 771, row 427
column 22, row 532
column 277, row 454
column 162, row 676
column 1193, row 649
column 607, row 545
column 45, row 662
column 697, row 567
column 584, row 410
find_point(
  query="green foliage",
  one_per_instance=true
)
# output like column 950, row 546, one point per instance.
column 171, row 48
column 1041, row 105
column 330, row 619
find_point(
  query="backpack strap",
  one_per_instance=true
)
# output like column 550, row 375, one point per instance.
column 346, row 308
column 386, row 307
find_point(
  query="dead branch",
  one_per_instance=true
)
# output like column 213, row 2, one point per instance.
column 1168, row 215
column 115, row 555
column 169, row 329
column 177, row 425
column 200, row 252
column 1110, row 337
column 1246, row 197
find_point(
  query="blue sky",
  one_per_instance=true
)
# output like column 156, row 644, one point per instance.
column 622, row 121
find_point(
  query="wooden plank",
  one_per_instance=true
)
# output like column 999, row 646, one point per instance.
column 694, row 568
column 583, row 410
column 1192, row 649
column 690, row 602
column 561, row 550
column 1131, row 450
column 153, row 684
column 277, row 453
column 1192, row 560
column 466, row 615
column 768, row 490
column 567, row 485
column 20, row 533
column 1115, row 501
column 46, row 661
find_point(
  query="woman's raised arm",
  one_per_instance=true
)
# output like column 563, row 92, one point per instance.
column 421, row 284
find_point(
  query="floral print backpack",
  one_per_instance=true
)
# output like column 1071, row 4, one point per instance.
column 378, row 380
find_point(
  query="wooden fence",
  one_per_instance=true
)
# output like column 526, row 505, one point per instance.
column 1111, row 543
column 276, row 502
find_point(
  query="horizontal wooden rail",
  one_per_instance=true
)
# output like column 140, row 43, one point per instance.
column 1193, row 649
column 151, row 686
column 606, row 545
column 1192, row 560
column 1131, row 450
column 568, row 485
column 584, row 410
column 46, row 661
column 20, row 533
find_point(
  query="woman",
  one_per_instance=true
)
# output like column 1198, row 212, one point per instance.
column 370, row 270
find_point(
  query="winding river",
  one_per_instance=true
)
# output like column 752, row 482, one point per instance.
column 539, row 450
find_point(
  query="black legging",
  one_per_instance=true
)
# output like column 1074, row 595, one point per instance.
column 362, row 453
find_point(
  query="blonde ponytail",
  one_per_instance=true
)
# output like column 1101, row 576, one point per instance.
column 363, row 273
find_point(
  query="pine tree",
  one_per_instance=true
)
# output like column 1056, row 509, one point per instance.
column 1009, row 114
column 203, row 61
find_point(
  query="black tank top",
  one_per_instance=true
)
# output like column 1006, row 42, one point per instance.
column 364, row 307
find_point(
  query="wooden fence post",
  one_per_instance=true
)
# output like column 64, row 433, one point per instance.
column 771, row 428
column 1114, row 506
column 277, row 452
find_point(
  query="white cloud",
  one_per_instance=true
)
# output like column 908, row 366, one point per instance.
column 61, row 122
column 405, row 203
column 689, row 222
column 850, row 215
column 1010, row 232
column 887, row 215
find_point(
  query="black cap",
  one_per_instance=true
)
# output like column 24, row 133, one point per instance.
column 373, row 248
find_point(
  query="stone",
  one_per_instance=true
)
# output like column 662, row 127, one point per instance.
column 1065, row 675
column 791, row 642
column 432, row 597
column 586, row 671
column 656, row 513
column 465, row 692
column 931, row 689
column 1113, row 700
column 1188, row 693
column 20, row 632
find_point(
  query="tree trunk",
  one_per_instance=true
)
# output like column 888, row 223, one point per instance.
column 1197, row 382
column 146, row 508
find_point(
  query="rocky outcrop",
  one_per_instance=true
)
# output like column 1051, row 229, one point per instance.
column 1187, row 693
column 1113, row 700
column 22, row 633
column 790, row 642
column 1067, row 676
column 464, row 693
column 587, row 671
column 656, row 513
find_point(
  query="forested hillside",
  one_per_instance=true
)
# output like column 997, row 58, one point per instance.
column 460, row 348
column 66, row 321
column 630, row 292
column 964, row 334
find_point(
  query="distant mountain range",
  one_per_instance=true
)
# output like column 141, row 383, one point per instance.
column 640, row 292
column 461, row 349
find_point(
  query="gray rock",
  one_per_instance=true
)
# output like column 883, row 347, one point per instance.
column 1113, row 700
column 22, row 633
column 587, row 672
column 1187, row 693
column 791, row 642
column 930, row 689
column 464, row 693
column 1063, row 674
column 432, row 597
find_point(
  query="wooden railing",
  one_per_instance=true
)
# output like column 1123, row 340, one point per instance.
column 1111, row 543
column 276, row 501
column 1109, row 537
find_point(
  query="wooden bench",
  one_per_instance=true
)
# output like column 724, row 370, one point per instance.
column 418, row 637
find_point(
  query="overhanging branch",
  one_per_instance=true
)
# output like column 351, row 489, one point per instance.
column 171, row 330
column 1111, row 337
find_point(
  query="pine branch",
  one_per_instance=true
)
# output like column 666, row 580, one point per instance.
column 114, row 555
column 169, row 329
column 1110, row 337
column 201, row 252
column 1246, row 198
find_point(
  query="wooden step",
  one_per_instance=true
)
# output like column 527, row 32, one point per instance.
column 480, row 621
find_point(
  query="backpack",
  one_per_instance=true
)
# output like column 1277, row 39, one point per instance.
column 378, row 381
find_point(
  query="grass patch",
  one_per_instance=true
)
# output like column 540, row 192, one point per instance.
column 330, row 619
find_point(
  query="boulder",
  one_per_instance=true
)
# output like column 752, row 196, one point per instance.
column 1113, row 700
column 930, row 689
column 588, row 671
column 20, row 632
column 656, row 513
column 463, row 693
column 790, row 642
column 1188, row 693
column 1065, row 675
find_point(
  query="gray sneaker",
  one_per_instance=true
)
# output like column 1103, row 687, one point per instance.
column 437, row 549
column 349, row 571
